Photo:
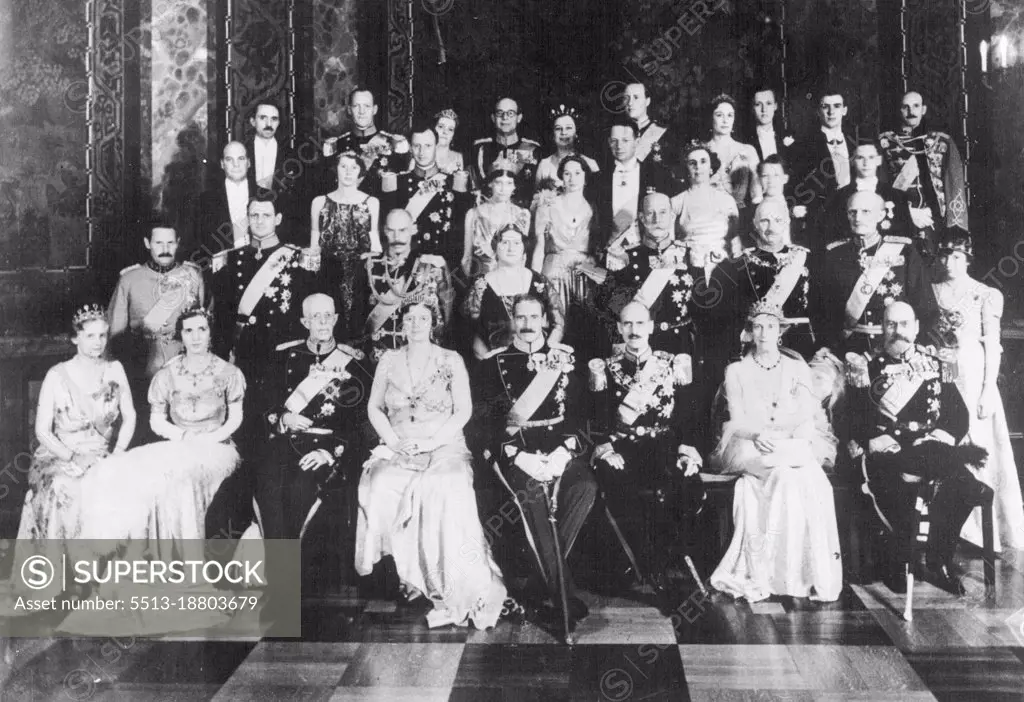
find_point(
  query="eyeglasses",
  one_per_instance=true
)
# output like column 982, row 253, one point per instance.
column 323, row 317
column 765, row 221
column 505, row 114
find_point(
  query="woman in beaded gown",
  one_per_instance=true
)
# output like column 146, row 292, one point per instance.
column 84, row 416
column 777, row 439
column 489, row 303
column 968, row 326
column 564, row 224
column 706, row 215
column 487, row 219
column 737, row 173
column 416, row 498
column 344, row 231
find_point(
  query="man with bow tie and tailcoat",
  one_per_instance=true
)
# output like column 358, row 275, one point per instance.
column 821, row 161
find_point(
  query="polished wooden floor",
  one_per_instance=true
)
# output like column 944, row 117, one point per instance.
column 966, row 648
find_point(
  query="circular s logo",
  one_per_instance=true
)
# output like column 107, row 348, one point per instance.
column 37, row 572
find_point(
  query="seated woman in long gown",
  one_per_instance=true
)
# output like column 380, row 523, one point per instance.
column 706, row 216
column 968, row 327
column 489, row 303
column 785, row 541
column 416, row 498
column 484, row 221
column 84, row 416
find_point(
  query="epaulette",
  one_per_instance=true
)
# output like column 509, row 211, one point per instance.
column 837, row 243
column 289, row 344
column 749, row 249
column 682, row 368
column 529, row 141
column 130, row 268
column 663, row 355
column 484, row 140
column 797, row 247
column 562, row 347
column 941, row 135
column 495, row 352
column 897, row 239
column 190, row 264
column 353, row 352
column 857, row 375
column 219, row 260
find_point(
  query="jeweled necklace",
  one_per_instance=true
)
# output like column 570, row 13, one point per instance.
column 773, row 366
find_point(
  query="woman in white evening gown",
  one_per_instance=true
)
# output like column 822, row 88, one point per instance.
column 776, row 438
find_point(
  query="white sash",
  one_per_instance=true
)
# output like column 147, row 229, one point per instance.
column 257, row 287
column 786, row 280
column 903, row 388
column 165, row 306
column 316, row 381
column 533, row 397
column 868, row 282
column 652, row 288
column 418, row 202
column 648, row 139
column 908, row 174
column 639, row 395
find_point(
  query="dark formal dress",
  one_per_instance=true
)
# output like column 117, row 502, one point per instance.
column 344, row 242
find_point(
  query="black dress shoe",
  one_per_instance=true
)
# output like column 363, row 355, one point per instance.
column 550, row 616
column 943, row 576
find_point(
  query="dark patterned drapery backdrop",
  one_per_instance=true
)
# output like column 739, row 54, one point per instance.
column 336, row 49
column 400, row 104
column 258, row 70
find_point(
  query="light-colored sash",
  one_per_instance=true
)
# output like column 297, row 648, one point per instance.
column 908, row 174
column 418, row 202
column 651, row 290
column 257, row 287
column 647, row 140
column 868, row 282
column 385, row 307
column 902, row 389
column 316, row 381
column 165, row 306
column 534, row 395
column 639, row 394
column 786, row 280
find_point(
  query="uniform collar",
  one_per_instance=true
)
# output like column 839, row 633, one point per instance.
column 535, row 347
column 368, row 132
column 432, row 171
column 269, row 243
column 154, row 266
column 643, row 124
column 638, row 360
column 506, row 141
column 863, row 247
column 321, row 348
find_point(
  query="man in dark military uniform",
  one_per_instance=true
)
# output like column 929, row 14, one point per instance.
column 381, row 151
column 256, row 293
column 399, row 276
column 653, row 140
column 641, row 406
column 518, row 154
column 909, row 418
column 428, row 196
column 526, row 390
column 657, row 275
column 144, row 309
column 316, row 416
column 774, row 271
column 860, row 276
column 926, row 165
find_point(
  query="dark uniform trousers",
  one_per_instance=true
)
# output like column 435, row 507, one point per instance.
column 576, row 495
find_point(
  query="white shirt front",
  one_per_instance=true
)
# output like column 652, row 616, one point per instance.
column 866, row 185
column 766, row 140
column 238, row 204
column 265, row 156
column 625, row 193
column 836, row 142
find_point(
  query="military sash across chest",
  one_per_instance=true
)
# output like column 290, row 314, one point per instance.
column 865, row 287
column 908, row 175
column 653, row 286
column 648, row 139
column 170, row 301
column 315, row 382
column 257, row 287
column 902, row 388
column 418, row 202
column 387, row 304
column 527, row 404
column 641, row 392
column 786, row 281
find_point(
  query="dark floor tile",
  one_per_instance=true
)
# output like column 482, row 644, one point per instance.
column 640, row 672
column 720, row 620
column 970, row 673
column 496, row 666
column 831, row 627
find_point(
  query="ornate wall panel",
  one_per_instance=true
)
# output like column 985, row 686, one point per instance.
column 933, row 60
column 334, row 61
column 400, row 62
column 258, row 61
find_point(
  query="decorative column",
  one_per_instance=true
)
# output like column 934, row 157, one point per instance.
column 400, row 65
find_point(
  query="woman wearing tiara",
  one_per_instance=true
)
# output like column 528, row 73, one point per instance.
column 736, row 175
column 707, row 216
column 777, row 439
column 968, row 327
column 85, row 415
column 488, row 218
column 445, row 124
column 564, row 125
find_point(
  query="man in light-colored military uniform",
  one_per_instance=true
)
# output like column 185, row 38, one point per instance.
column 144, row 308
